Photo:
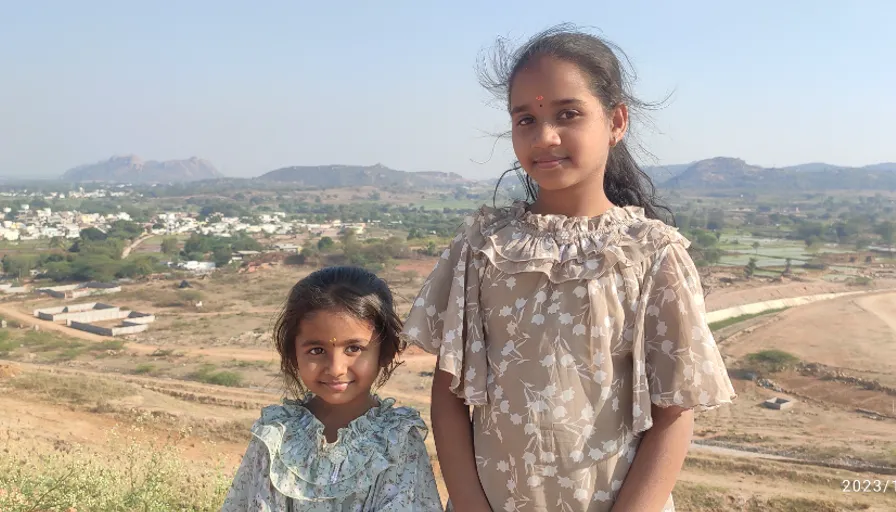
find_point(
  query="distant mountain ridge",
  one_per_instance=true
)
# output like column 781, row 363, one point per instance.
column 723, row 173
column 713, row 174
column 333, row 176
column 132, row 169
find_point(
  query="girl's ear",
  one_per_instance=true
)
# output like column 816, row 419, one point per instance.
column 618, row 124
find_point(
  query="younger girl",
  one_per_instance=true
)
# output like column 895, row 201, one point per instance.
column 337, row 447
column 573, row 322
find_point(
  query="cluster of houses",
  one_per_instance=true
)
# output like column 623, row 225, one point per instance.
column 274, row 223
column 32, row 224
column 26, row 223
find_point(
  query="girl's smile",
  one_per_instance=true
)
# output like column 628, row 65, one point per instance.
column 342, row 369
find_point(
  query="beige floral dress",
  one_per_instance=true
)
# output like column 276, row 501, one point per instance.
column 377, row 464
column 562, row 332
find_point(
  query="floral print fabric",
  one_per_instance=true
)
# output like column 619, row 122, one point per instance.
column 562, row 332
column 378, row 463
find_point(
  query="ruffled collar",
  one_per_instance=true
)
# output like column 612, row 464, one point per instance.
column 516, row 240
column 345, row 435
column 545, row 223
column 304, row 466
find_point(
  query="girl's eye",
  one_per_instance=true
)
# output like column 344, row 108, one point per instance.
column 524, row 121
column 353, row 349
column 568, row 114
column 316, row 351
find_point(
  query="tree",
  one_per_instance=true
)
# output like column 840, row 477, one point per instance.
column 756, row 247
column 169, row 246
column 92, row 234
column 95, row 267
column 705, row 239
column 125, row 230
column 750, row 268
column 221, row 256
column 136, row 266
column 242, row 243
column 19, row 266
column 787, row 269
column 887, row 232
column 197, row 244
column 348, row 237
column 325, row 244
column 716, row 220
column 59, row 243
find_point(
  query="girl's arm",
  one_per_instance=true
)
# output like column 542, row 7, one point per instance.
column 453, row 434
column 658, row 461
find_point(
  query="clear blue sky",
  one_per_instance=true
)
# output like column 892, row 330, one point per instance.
column 253, row 86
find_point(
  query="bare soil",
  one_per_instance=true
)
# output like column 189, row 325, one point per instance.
column 747, row 456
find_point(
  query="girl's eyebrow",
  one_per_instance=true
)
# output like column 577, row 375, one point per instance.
column 556, row 103
column 350, row 341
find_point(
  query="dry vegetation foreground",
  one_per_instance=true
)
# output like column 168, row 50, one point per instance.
column 159, row 421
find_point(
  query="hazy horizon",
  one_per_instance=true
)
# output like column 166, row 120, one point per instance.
column 256, row 88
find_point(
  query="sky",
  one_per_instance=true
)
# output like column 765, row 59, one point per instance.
column 256, row 86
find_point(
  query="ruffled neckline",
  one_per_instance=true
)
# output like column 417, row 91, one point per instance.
column 515, row 240
column 304, row 466
column 357, row 426
column 562, row 224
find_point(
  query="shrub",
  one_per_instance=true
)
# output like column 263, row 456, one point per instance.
column 772, row 360
column 144, row 368
column 207, row 374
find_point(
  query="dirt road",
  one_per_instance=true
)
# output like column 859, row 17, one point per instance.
column 127, row 250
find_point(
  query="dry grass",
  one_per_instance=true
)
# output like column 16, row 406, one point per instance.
column 135, row 475
column 691, row 497
column 71, row 389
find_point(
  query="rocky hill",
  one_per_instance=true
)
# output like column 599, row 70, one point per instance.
column 132, row 169
column 334, row 176
column 718, row 174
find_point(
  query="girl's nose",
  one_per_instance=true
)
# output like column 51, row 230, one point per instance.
column 545, row 135
column 338, row 366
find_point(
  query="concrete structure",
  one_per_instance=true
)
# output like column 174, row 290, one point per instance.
column 76, row 291
column 778, row 403
column 84, row 317
column 126, row 327
column 86, row 312
column 10, row 289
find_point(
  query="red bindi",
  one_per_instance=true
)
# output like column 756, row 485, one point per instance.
column 539, row 98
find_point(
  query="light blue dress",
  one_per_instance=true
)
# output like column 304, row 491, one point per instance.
column 378, row 463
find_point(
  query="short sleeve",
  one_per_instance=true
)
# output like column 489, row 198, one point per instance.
column 411, row 485
column 445, row 320
column 677, row 361
column 252, row 490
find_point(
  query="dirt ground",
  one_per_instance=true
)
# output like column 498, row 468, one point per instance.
column 744, row 454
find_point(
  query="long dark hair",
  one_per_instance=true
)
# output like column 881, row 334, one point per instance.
column 347, row 289
column 625, row 184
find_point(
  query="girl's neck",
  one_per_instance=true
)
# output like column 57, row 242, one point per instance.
column 571, row 202
column 335, row 417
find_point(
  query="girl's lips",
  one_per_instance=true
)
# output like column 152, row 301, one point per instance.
column 336, row 386
column 547, row 164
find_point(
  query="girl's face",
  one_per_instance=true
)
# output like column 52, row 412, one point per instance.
column 561, row 132
column 337, row 356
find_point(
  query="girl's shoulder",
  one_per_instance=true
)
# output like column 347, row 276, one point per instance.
column 516, row 240
column 304, row 465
